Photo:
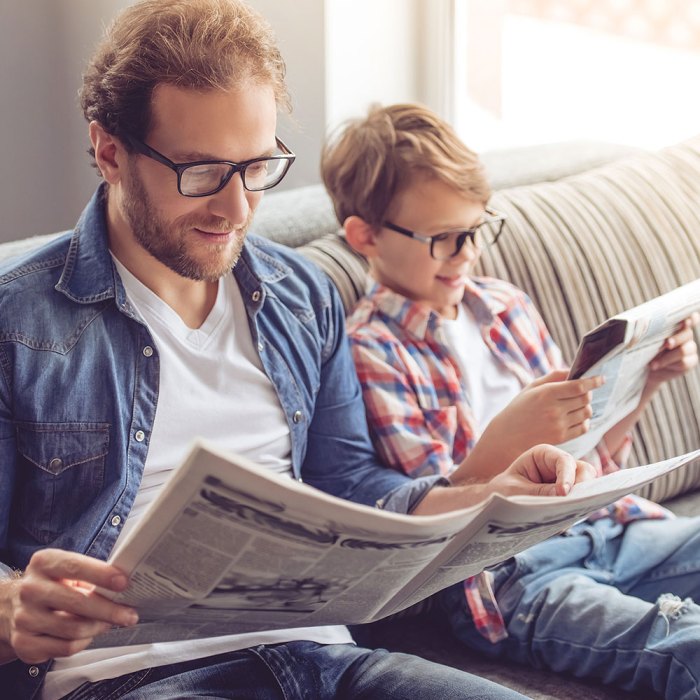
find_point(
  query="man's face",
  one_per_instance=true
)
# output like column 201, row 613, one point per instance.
column 199, row 238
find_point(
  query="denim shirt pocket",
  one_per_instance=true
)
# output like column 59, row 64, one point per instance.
column 61, row 470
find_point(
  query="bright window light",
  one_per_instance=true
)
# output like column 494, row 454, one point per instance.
column 622, row 71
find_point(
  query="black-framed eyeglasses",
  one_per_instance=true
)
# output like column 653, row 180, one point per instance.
column 202, row 178
column 447, row 244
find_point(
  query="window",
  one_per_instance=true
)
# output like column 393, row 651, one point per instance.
column 536, row 71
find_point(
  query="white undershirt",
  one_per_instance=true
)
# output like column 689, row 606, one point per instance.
column 489, row 384
column 212, row 385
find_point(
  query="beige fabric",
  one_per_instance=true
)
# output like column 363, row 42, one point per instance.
column 589, row 246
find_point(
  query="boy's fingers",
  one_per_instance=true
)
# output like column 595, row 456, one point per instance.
column 584, row 471
column 575, row 404
column 682, row 336
column 579, row 387
column 668, row 359
column 557, row 375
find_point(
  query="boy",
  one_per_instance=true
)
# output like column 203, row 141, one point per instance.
column 455, row 368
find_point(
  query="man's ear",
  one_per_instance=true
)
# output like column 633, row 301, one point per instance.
column 361, row 236
column 109, row 153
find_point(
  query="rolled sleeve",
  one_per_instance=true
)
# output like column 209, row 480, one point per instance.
column 405, row 498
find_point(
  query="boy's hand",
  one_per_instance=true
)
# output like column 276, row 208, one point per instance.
column 677, row 357
column 552, row 409
column 53, row 611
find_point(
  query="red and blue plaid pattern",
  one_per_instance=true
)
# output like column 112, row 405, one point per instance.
column 417, row 407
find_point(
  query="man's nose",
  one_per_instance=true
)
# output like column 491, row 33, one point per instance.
column 231, row 203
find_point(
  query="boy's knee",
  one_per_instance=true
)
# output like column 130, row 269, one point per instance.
column 671, row 607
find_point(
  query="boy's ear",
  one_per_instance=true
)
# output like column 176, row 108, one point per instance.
column 360, row 235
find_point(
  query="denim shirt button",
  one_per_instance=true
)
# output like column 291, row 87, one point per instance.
column 55, row 464
column 261, row 347
column 139, row 436
column 148, row 351
column 33, row 671
column 256, row 295
column 116, row 520
column 298, row 415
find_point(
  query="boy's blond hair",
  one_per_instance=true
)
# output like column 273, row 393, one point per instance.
column 368, row 161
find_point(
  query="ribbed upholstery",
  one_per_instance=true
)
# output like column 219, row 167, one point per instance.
column 587, row 247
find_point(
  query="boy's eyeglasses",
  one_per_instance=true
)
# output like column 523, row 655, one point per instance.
column 444, row 246
column 202, row 178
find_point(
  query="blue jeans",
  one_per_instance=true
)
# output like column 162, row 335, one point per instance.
column 298, row 670
column 604, row 601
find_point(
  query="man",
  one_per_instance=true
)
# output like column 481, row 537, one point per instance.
column 125, row 339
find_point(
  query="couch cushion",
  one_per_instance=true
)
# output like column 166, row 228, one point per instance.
column 302, row 214
column 587, row 247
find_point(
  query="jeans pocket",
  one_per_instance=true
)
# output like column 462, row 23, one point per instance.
column 61, row 470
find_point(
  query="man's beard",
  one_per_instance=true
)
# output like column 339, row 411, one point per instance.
column 167, row 241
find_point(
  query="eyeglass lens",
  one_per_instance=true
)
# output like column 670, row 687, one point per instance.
column 206, row 178
column 446, row 245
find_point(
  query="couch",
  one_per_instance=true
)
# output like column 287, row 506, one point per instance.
column 592, row 229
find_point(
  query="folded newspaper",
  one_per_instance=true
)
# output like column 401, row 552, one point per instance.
column 230, row 548
column 620, row 350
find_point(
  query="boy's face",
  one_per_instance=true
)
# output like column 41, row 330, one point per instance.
column 426, row 207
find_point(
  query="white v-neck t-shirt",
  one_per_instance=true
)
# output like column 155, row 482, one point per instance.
column 212, row 385
column 489, row 384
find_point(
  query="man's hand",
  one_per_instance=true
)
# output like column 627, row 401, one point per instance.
column 678, row 356
column 543, row 470
column 53, row 609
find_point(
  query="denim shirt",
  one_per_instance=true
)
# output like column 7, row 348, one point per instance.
column 79, row 386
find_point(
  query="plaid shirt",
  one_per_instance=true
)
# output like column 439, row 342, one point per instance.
column 417, row 405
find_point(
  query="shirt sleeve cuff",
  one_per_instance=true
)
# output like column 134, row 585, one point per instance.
column 405, row 498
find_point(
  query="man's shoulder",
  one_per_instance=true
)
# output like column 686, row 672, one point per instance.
column 277, row 259
column 26, row 263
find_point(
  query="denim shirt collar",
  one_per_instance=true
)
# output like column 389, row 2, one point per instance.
column 89, row 275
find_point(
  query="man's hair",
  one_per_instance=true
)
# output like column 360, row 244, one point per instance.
column 368, row 161
column 194, row 44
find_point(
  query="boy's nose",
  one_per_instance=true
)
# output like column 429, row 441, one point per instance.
column 469, row 251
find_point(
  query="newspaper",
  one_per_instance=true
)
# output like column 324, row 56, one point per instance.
column 620, row 350
column 230, row 548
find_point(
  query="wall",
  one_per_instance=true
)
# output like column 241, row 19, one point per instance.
column 341, row 55
column 299, row 26
column 45, row 173
column 371, row 55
